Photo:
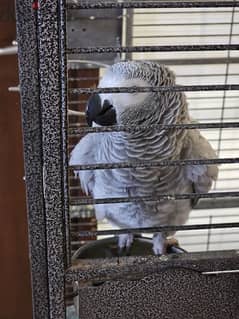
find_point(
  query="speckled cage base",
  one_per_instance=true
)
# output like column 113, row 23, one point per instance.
column 148, row 287
column 174, row 293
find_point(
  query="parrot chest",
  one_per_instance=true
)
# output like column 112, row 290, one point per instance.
column 150, row 181
column 134, row 181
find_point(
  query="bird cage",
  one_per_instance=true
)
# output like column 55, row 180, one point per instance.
column 63, row 48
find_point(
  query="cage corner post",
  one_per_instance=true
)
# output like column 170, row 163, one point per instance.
column 41, row 42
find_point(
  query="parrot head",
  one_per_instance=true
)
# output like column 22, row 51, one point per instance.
column 129, row 108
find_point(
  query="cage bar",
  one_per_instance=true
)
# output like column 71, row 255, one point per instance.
column 51, row 32
column 125, row 128
column 155, row 163
column 150, row 4
column 188, row 61
column 218, row 203
column 154, row 48
column 41, row 38
column 157, row 229
column 156, row 198
column 176, row 88
column 30, row 109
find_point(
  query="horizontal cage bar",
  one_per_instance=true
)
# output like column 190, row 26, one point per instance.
column 153, row 198
column 165, row 24
column 154, row 48
column 218, row 203
column 125, row 128
column 189, row 61
column 167, row 36
column 151, row 4
column 176, row 88
column 155, row 163
column 157, row 229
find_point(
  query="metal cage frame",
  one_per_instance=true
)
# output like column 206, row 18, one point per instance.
column 42, row 66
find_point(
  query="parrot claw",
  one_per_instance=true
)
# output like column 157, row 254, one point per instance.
column 124, row 243
column 159, row 247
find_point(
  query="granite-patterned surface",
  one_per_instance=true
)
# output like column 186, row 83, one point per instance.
column 171, row 294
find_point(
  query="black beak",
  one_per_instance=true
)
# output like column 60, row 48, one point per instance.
column 102, row 115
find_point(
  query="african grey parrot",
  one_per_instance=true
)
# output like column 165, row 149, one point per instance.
column 145, row 145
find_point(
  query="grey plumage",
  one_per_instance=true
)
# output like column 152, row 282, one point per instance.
column 151, row 145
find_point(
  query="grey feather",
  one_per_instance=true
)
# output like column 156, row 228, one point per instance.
column 145, row 108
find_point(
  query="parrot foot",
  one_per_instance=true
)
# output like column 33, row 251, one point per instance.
column 124, row 242
column 159, row 246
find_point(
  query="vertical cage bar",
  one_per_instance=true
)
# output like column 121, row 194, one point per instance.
column 53, row 107
column 129, row 32
column 225, row 83
column 26, row 19
column 64, row 104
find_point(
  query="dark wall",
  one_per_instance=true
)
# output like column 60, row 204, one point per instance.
column 15, row 292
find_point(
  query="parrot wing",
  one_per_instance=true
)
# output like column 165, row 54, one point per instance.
column 85, row 153
column 202, row 176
